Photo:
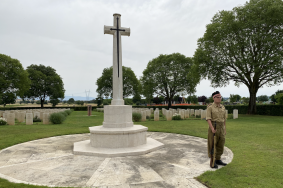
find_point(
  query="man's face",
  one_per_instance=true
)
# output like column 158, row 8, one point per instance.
column 217, row 98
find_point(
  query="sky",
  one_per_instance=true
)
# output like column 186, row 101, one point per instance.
column 68, row 36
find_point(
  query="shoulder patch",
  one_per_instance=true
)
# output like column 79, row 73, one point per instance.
column 209, row 105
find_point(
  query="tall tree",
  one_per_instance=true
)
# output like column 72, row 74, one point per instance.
column 262, row 98
column 130, row 83
column 235, row 98
column 8, row 98
column 168, row 75
column 13, row 78
column 45, row 82
column 245, row 46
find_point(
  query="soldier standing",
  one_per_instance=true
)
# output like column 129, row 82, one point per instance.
column 216, row 117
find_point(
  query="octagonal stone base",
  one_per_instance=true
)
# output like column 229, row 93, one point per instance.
column 84, row 148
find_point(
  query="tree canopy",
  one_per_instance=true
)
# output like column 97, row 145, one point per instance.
column 13, row 78
column 168, row 75
column 262, row 98
column 235, row 98
column 8, row 98
column 45, row 82
column 131, row 85
column 244, row 45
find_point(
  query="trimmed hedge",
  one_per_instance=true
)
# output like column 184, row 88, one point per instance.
column 136, row 117
column 272, row 110
column 77, row 108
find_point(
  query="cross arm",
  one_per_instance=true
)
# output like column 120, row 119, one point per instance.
column 108, row 31
column 127, row 31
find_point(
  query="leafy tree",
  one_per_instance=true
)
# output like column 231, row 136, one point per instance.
column 262, row 98
column 13, row 78
column 54, row 101
column 130, row 83
column 192, row 99
column 45, row 82
column 202, row 98
column 235, row 98
column 80, row 102
column 168, row 75
column 71, row 101
column 279, row 98
column 99, row 100
column 8, row 98
column 210, row 99
column 136, row 98
column 245, row 46
column 246, row 100
column 272, row 97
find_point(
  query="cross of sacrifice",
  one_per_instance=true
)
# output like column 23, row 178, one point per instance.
column 117, row 31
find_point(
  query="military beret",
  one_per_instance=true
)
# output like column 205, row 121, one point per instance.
column 215, row 93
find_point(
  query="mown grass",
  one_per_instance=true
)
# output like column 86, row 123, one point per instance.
column 256, row 141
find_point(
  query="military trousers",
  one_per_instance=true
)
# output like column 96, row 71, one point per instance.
column 220, row 139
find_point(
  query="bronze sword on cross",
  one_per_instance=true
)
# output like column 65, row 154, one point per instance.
column 120, row 31
column 117, row 29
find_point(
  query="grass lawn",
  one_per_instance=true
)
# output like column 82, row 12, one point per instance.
column 256, row 141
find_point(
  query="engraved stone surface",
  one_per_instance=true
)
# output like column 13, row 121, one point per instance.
column 51, row 162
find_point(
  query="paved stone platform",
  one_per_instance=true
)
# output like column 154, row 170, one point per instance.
column 51, row 162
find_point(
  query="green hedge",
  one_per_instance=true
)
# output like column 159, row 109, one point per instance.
column 77, row 108
column 272, row 110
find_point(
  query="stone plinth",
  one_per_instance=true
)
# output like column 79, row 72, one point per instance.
column 117, row 136
column 117, row 116
column 101, row 137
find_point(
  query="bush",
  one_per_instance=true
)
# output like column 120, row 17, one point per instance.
column 3, row 121
column 64, row 113
column 57, row 118
column 36, row 119
column 197, row 116
column 68, row 111
column 176, row 117
column 136, row 117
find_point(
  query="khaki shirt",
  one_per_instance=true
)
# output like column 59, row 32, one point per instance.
column 216, row 113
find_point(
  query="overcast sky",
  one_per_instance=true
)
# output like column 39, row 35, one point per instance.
column 68, row 36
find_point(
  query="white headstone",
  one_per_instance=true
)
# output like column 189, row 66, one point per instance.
column 235, row 114
column 143, row 113
column 11, row 119
column 45, row 118
column 156, row 115
column 29, row 118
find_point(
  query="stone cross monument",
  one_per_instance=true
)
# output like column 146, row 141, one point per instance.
column 118, row 136
column 116, row 30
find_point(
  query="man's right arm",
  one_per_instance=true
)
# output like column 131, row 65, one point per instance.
column 208, row 119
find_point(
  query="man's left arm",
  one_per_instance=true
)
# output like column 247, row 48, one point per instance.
column 224, row 127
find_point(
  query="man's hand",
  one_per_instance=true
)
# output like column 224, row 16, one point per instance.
column 214, row 130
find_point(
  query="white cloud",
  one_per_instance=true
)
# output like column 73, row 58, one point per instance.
column 68, row 36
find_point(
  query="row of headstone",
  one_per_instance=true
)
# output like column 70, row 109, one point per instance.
column 28, row 115
column 182, row 112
